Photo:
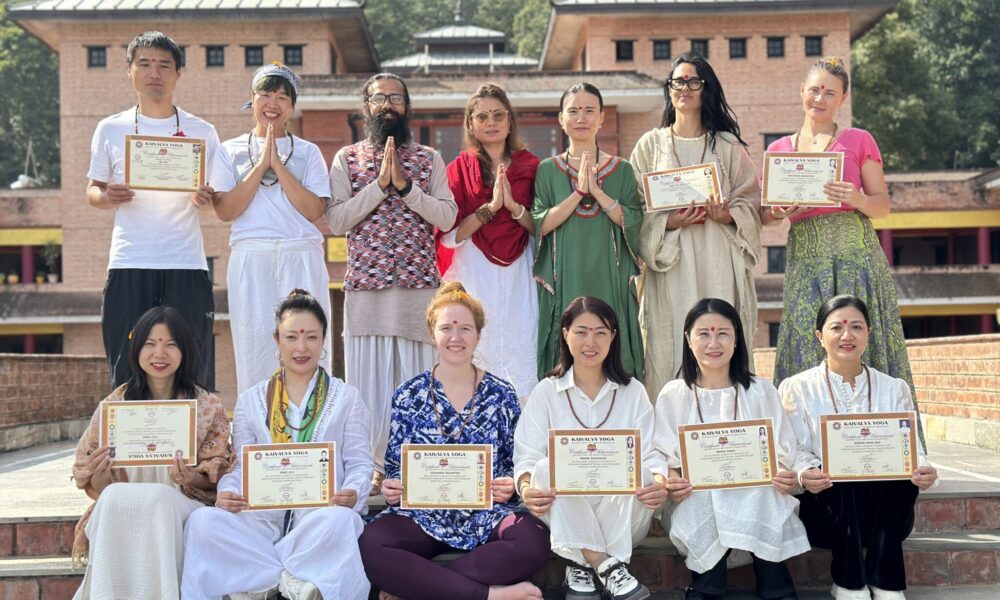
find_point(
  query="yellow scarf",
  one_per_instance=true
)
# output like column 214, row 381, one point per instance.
column 277, row 400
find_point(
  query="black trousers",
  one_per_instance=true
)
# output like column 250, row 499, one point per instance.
column 773, row 579
column 131, row 292
column 851, row 517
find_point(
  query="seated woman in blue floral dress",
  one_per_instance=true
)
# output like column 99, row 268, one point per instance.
column 455, row 403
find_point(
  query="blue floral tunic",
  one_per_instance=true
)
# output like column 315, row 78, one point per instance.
column 495, row 412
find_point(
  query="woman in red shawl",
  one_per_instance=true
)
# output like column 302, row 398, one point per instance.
column 490, row 249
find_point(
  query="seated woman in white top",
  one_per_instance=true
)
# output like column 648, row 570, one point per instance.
column 306, row 554
column 716, row 385
column 273, row 186
column 849, row 517
column 589, row 389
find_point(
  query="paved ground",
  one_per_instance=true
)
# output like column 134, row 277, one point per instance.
column 965, row 592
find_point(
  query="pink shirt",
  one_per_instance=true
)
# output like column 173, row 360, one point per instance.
column 858, row 147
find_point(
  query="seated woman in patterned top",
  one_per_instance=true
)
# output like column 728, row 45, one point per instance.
column 447, row 406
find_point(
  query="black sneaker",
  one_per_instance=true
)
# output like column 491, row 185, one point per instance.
column 619, row 584
column 579, row 584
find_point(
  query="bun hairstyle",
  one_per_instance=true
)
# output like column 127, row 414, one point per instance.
column 834, row 66
column 837, row 303
column 453, row 292
column 579, row 88
column 299, row 300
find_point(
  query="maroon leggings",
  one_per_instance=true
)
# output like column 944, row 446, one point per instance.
column 397, row 555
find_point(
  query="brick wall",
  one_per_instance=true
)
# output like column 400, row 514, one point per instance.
column 43, row 388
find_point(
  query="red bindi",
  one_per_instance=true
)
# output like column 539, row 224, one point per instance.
column 712, row 328
column 845, row 321
column 454, row 322
column 302, row 331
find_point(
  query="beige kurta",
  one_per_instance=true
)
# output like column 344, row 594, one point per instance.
column 698, row 261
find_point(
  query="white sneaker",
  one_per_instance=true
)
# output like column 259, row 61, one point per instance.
column 265, row 595
column 847, row 594
column 579, row 584
column 880, row 594
column 294, row 588
column 619, row 584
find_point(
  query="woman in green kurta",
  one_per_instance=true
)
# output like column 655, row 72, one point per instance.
column 588, row 217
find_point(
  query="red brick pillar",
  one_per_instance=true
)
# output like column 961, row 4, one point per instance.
column 27, row 264
column 983, row 251
column 885, row 239
column 29, row 343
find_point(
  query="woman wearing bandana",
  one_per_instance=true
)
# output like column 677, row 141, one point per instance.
column 272, row 185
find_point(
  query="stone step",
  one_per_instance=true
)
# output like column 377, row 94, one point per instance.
column 933, row 560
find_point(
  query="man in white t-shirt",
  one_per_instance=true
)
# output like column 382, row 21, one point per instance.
column 157, row 257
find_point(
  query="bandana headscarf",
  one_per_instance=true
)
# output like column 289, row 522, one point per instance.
column 275, row 69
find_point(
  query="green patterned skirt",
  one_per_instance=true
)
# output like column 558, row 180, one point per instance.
column 833, row 254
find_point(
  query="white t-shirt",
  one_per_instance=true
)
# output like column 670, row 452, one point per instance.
column 156, row 230
column 270, row 214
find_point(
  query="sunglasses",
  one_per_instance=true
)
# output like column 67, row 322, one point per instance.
column 694, row 84
column 497, row 116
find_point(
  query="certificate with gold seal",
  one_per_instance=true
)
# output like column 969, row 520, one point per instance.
column 288, row 476
column 447, row 476
column 797, row 178
column 149, row 433
column 172, row 164
column 594, row 462
column 869, row 446
column 731, row 454
column 680, row 188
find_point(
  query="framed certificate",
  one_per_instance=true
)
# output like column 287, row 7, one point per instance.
column 869, row 446
column 679, row 188
column 149, row 433
column 594, row 462
column 797, row 178
column 173, row 164
column 731, row 454
column 447, row 476
column 284, row 476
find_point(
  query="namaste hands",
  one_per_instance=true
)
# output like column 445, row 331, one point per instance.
column 391, row 172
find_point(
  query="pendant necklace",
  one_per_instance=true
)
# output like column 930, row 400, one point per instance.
column 250, row 144
column 829, row 387
column 470, row 406
column 177, row 122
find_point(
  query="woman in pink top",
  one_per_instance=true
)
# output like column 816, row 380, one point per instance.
column 834, row 251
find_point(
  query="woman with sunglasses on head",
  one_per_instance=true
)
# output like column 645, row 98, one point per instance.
column 835, row 251
column 696, row 252
column 717, row 385
column 590, row 389
column 304, row 553
column 132, row 536
column 273, row 186
column 444, row 405
column 862, row 523
column 490, row 250
column 587, row 219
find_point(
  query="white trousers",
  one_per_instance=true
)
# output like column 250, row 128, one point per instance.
column 136, row 535
column 377, row 365
column 244, row 552
column 261, row 274
column 613, row 525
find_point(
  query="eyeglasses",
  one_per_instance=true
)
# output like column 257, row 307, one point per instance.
column 694, row 84
column 497, row 116
column 378, row 99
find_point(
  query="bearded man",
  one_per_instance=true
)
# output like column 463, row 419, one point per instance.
column 389, row 193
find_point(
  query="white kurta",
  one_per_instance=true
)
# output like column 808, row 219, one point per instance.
column 508, row 346
column 610, row 524
column 760, row 520
column 228, row 553
column 805, row 399
column 136, row 535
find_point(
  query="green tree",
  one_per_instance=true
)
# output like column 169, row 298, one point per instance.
column 529, row 27
column 29, row 105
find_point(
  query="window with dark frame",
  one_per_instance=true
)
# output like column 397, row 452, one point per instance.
column 700, row 47
column 770, row 138
column 333, row 60
column 624, row 50
column 97, row 57
column 293, row 56
column 661, row 49
column 776, row 259
column 737, row 47
column 183, row 50
column 253, row 56
column 215, row 56
column 775, row 47
column 814, row 45
column 773, row 329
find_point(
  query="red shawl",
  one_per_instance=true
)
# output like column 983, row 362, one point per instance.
column 503, row 239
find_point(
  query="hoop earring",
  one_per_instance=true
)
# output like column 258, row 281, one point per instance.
column 323, row 354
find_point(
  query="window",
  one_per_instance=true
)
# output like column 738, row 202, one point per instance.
column 623, row 50
column 97, row 57
column 253, row 56
column 215, row 56
column 333, row 60
column 776, row 259
column 814, row 45
column 700, row 47
column 775, row 47
column 770, row 138
column 183, row 50
column 737, row 48
column 293, row 56
column 772, row 334
column 661, row 49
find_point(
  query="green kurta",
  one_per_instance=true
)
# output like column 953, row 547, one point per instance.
column 588, row 255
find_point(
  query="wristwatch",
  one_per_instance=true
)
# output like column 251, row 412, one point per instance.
column 406, row 188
